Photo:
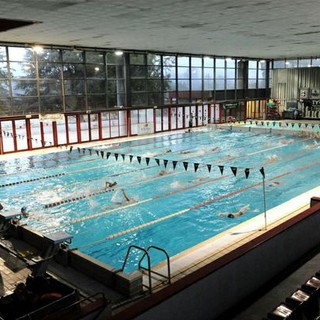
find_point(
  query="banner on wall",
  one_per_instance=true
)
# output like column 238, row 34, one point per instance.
column 145, row 128
column 50, row 117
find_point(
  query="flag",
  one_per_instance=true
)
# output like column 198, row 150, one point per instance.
column 221, row 169
column 185, row 164
column 262, row 172
column 234, row 170
column 247, row 172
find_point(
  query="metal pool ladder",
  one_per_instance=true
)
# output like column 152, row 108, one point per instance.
column 148, row 269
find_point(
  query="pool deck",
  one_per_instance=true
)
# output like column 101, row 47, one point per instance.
column 13, row 272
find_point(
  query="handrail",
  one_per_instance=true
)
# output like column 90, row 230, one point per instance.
column 167, row 258
column 145, row 254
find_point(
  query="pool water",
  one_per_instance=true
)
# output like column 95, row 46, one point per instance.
column 204, row 180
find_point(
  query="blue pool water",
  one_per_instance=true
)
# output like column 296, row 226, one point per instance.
column 175, row 211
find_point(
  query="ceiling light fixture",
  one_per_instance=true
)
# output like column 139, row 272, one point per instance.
column 37, row 48
column 118, row 53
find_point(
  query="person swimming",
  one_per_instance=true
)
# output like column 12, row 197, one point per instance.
column 109, row 185
column 116, row 198
column 163, row 172
column 240, row 212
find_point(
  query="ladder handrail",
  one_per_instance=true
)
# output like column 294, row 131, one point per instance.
column 145, row 254
column 167, row 258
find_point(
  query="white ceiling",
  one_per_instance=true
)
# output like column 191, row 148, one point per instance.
column 243, row 28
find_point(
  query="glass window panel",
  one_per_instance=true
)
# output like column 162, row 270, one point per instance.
column 139, row 99
column 3, row 70
column 261, row 83
column 24, row 105
column 115, row 72
column 196, row 62
column 3, row 53
column 24, row 88
column 50, row 70
column 4, row 88
column 138, row 85
column 278, row 64
column 52, row 104
column 220, row 63
column 252, row 73
column 208, row 73
column 94, row 57
column 95, row 71
column 20, row 54
column 71, row 71
column 154, row 72
column 183, row 85
column 208, row 62
column 169, row 72
column 252, row 84
column 115, row 100
column 112, row 86
column 96, row 86
column 183, row 61
column 231, row 84
column 155, row 98
column 72, row 87
column 22, row 70
column 115, row 86
column 4, row 107
column 262, row 64
column 49, row 55
column 220, row 73
column 137, row 58
column 219, row 84
column 72, row 56
column 184, row 97
column 154, row 59
column 316, row 62
column 208, row 84
column 138, row 71
column 96, row 102
column 292, row 63
column 231, row 73
column 196, row 85
column 196, row 73
column 231, row 63
column 50, row 87
column 114, row 59
column 304, row 63
column 155, row 86
column 169, row 61
column 183, row 73
column 172, row 84
column 75, row 103
column 252, row 64
column 262, row 74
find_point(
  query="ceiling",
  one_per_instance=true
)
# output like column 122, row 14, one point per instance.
column 241, row 28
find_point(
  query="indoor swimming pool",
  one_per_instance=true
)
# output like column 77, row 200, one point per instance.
column 180, row 188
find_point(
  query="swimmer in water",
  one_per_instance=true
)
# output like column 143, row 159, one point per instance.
column 275, row 183
column 109, row 185
column 240, row 212
column 163, row 172
column 312, row 146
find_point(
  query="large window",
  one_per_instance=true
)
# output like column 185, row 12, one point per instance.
column 68, row 79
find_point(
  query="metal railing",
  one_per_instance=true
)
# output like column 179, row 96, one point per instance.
column 148, row 269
